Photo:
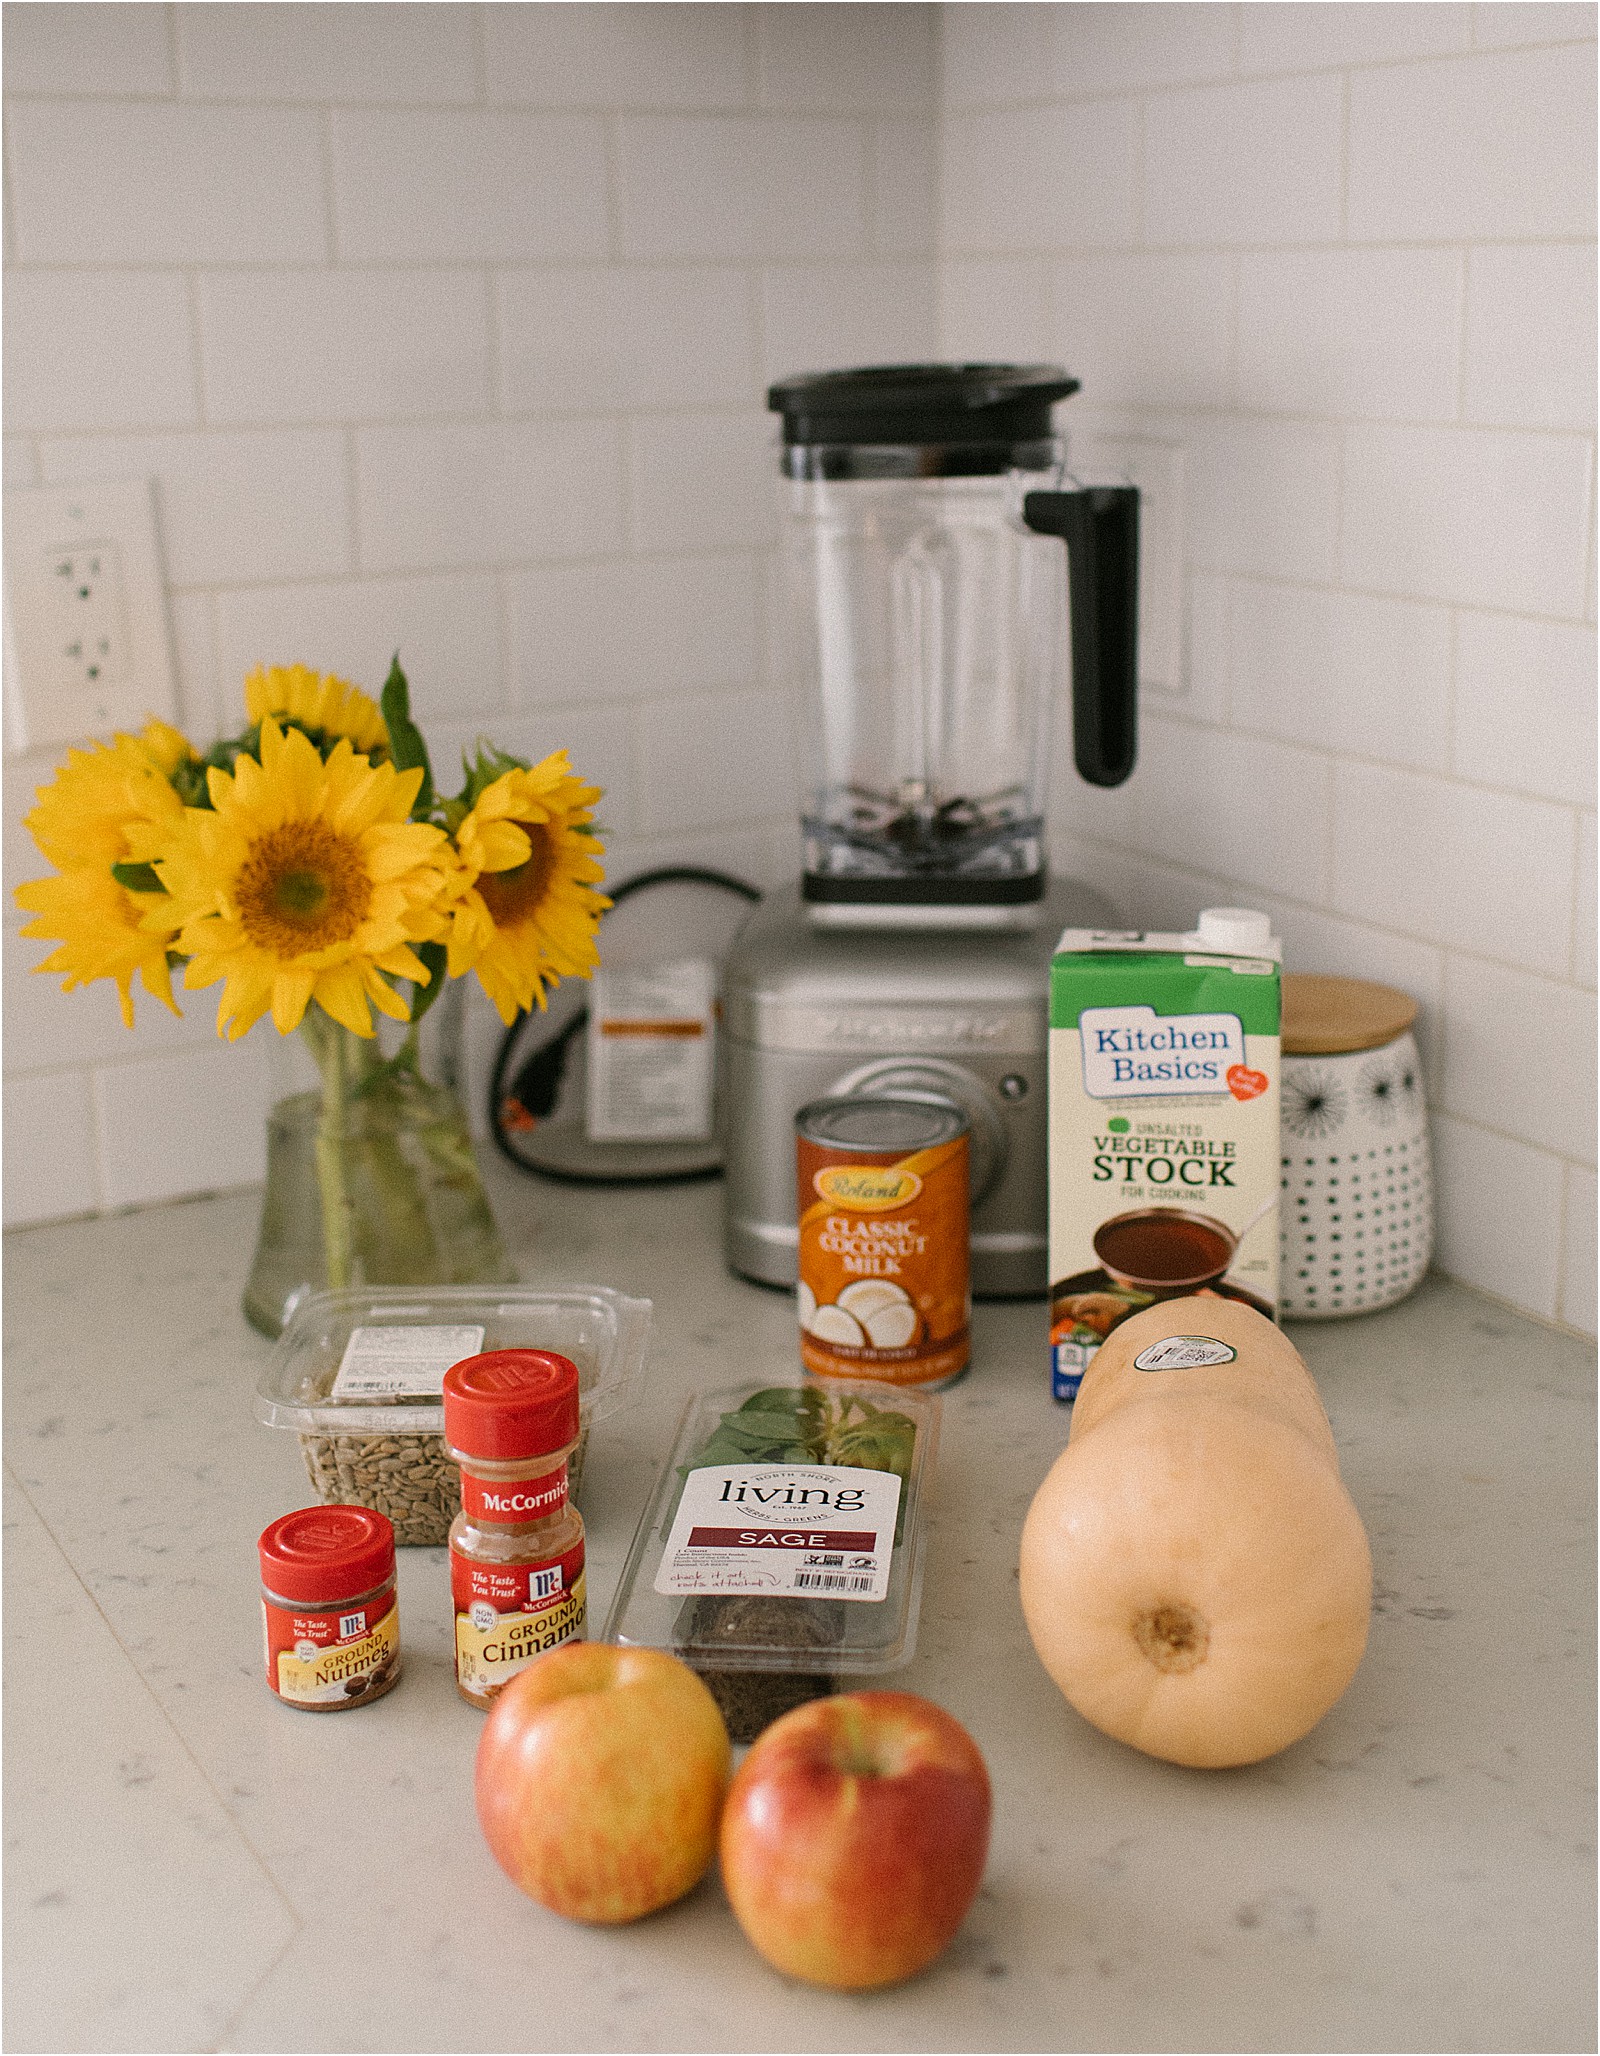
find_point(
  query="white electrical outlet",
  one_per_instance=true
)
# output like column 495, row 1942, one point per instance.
column 86, row 644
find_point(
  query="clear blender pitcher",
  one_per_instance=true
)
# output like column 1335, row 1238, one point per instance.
column 927, row 602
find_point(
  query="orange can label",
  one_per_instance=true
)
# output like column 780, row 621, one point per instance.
column 883, row 1263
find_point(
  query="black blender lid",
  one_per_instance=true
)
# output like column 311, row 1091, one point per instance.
column 921, row 403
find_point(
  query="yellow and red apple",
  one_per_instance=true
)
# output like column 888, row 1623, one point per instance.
column 854, row 1838
column 600, row 1779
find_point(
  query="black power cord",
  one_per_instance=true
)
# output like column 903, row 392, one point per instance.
column 531, row 1095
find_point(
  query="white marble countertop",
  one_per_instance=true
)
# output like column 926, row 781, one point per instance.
column 192, row 1865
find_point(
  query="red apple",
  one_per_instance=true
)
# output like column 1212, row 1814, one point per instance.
column 600, row 1779
column 854, row 1838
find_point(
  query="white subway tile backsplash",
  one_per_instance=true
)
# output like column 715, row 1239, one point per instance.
column 818, row 315
column 1263, row 495
column 395, row 343
column 618, row 54
column 1197, row 786
column 1519, row 1056
column 79, row 46
column 614, row 337
column 1314, row 33
column 1484, row 147
column 742, row 186
column 445, row 630
column 1576, row 1305
column 854, row 57
column 21, row 460
column 1249, row 163
column 1498, row 1214
column 194, row 1121
column 141, row 183
column 1371, row 334
column 1041, row 178
column 50, row 1166
column 640, row 629
column 1530, row 343
column 1208, row 629
column 230, row 505
column 294, row 51
column 133, row 360
column 1525, row 705
column 1486, row 872
column 903, row 189
column 1343, row 671
column 1146, row 329
column 997, row 55
column 717, row 759
column 994, row 309
column 1485, row 517
column 1585, row 913
column 1105, row 46
column 703, row 481
column 444, row 186
column 470, row 494
column 1504, row 22
column 202, row 708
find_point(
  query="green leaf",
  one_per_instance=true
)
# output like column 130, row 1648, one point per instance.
column 406, row 745
column 435, row 956
column 138, row 877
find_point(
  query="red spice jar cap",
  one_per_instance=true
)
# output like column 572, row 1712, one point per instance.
column 511, row 1403
column 327, row 1552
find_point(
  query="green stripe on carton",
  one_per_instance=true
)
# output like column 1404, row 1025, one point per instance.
column 1117, row 978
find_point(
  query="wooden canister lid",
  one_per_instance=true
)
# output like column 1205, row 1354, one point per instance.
column 1324, row 1017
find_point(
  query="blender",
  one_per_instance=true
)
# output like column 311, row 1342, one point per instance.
column 942, row 575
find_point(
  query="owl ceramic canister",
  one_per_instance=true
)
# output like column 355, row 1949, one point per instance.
column 1357, row 1209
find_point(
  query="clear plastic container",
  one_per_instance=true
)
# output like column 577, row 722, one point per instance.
column 356, row 1374
column 776, row 1566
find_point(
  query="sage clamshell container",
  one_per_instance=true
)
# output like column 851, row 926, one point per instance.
column 357, row 1375
column 781, row 1550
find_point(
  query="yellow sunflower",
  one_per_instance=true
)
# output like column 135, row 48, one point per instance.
column 111, row 804
column 529, row 911
column 305, row 881
column 291, row 692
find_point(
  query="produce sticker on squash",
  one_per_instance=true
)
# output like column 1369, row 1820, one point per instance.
column 1184, row 1353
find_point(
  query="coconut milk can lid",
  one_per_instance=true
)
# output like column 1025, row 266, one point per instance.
column 511, row 1403
column 326, row 1552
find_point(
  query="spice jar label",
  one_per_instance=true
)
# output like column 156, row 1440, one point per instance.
column 401, row 1362
column 509, row 1613
column 782, row 1528
column 326, row 1657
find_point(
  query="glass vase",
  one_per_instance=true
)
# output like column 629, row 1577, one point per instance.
column 370, row 1181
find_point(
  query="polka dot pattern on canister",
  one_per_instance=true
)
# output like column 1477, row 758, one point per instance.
column 1356, row 1217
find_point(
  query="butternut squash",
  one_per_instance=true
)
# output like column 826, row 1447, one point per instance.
column 1195, row 1577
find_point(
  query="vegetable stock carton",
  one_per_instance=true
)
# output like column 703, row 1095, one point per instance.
column 1163, row 1119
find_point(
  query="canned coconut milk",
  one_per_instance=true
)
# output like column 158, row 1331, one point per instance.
column 882, row 1206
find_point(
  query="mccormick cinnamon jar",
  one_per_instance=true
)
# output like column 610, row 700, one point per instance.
column 516, row 1547
column 328, row 1609
column 883, row 1206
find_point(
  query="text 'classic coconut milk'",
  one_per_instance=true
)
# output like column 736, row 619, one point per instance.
column 1164, row 1170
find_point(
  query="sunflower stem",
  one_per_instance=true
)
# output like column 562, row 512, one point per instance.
column 328, row 1042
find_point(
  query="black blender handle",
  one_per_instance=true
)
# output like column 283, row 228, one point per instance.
column 1100, row 527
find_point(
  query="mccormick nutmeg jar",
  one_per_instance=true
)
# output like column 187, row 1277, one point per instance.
column 516, row 1547
column 328, row 1609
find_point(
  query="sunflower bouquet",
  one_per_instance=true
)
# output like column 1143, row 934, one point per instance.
column 311, row 867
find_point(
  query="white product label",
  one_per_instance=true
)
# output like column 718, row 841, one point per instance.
column 809, row 1530
column 1136, row 1053
column 1184, row 1353
column 401, row 1363
column 649, row 1050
